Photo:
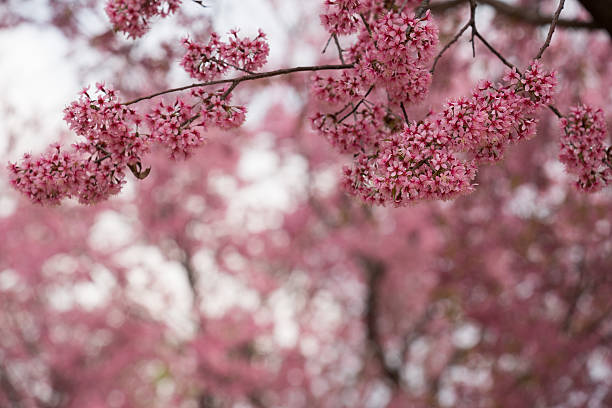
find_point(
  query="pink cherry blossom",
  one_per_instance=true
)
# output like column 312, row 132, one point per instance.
column 208, row 61
column 93, row 169
column 133, row 16
column 584, row 150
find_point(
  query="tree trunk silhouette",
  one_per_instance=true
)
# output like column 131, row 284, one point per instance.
column 601, row 11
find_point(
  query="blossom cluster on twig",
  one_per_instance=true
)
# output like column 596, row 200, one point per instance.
column 132, row 16
column 385, row 69
column 396, row 160
column 583, row 148
column 116, row 137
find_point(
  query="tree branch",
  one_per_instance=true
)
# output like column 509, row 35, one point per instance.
column 551, row 30
column 250, row 77
column 524, row 15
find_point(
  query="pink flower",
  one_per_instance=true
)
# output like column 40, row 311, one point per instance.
column 496, row 115
column 132, row 16
column 206, row 62
column 94, row 168
column 583, row 148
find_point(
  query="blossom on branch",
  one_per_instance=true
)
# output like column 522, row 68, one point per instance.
column 93, row 169
column 206, row 62
column 415, row 164
column 422, row 161
column 179, row 127
column 396, row 160
column 496, row 115
column 132, row 16
column 583, row 149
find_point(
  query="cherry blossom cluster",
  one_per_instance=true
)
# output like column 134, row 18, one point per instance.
column 343, row 17
column 93, row 169
column 347, row 87
column 395, row 160
column 392, row 52
column 206, row 62
column 180, row 126
column 216, row 109
column 496, row 115
column 583, row 148
column 351, row 136
column 132, row 16
column 415, row 164
column 116, row 137
column 395, row 53
column 390, row 58
column 177, row 126
column 437, row 158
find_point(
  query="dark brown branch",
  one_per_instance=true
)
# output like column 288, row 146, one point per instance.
column 441, row 7
column 250, row 77
column 521, row 14
column 555, row 111
column 186, row 260
column 417, row 330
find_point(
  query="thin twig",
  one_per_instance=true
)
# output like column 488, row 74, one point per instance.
column 551, row 30
column 244, row 78
column 522, row 14
column 327, row 44
column 404, row 112
column 236, row 67
column 555, row 111
column 341, row 57
column 422, row 9
column 476, row 33
column 448, row 45
column 367, row 26
column 357, row 106
column 473, row 25
column 494, row 51
column 200, row 3
column 340, row 50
